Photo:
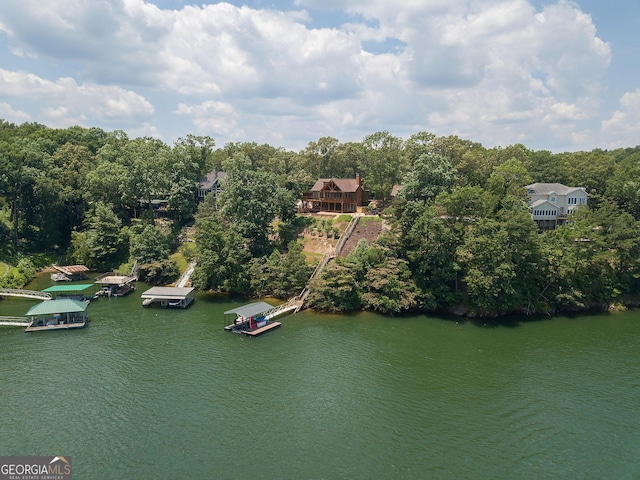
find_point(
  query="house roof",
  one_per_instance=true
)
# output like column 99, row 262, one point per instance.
column 344, row 184
column 210, row 179
column 395, row 189
column 549, row 188
column 537, row 203
column 251, row 309
column 49, row 307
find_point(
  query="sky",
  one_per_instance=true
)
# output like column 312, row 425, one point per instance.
column 553, row 75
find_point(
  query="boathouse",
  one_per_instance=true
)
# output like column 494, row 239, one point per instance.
column 169, row 297
column 57, row 315
column 252, row 319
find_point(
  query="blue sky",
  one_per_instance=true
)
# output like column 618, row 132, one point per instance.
column 556, row 75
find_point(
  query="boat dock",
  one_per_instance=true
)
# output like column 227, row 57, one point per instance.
column 258, row 331
column 59, row 326
column 112, row 285
column 69, row 273
column 60, row 314
column 255, row 318
column 169, row 297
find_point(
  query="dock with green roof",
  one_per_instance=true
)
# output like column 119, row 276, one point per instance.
column 60, row 314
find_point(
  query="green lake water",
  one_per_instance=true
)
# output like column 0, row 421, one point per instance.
column 146, row 393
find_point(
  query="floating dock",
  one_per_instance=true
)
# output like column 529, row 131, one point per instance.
column 69, row 273
column 62, row 314
column 252, row 319
column 112, row 285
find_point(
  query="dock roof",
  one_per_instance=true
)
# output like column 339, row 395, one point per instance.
column 49, row 307
column 114, row 279
column 68, row 288
column 251, row 309
column 167, row 293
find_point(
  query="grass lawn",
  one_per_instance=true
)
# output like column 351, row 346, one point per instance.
column 182, row 263
column 313, row 257
column 4, row 269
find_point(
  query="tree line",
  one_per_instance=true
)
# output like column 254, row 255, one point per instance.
column 461, row 236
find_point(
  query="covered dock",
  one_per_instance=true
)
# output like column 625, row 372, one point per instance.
column 73, row 291
column 169, row 297
column 251, row 319
column 112, row 285
column 69, row 273
column 61, row 314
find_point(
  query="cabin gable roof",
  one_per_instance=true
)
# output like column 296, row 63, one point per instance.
column 346, row 185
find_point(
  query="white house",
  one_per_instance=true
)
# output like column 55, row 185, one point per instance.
column 550, row 203
column 211, row 183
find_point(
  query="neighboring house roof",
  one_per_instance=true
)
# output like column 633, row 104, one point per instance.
column 537, row 203
column 49, row 307
column 550, row 188
column 396, row 189
column 344, row 184
column 210, row 179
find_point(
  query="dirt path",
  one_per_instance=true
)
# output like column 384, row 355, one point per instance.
column 369, row 229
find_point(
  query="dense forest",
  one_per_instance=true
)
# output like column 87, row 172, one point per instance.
column 461, row 237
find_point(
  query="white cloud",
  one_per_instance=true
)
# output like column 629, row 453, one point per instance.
column 146, row 129
column 8, row 113
column 64, row 102
column 491, row 70
column 217, row 117
column 624, row 125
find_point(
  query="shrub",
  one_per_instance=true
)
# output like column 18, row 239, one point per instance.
column 159, row 273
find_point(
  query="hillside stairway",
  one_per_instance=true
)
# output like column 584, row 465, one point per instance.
column 302, row 298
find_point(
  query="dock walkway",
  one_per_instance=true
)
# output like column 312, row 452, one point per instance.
column 14, row 321
column 18, row 292
column 186, row 275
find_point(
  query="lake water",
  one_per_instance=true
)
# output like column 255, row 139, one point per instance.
column 146, row 393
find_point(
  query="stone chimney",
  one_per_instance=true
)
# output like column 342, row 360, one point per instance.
column 358, row 180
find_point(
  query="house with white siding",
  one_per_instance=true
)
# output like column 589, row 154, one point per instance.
column 551, row 203
column 211, row 183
